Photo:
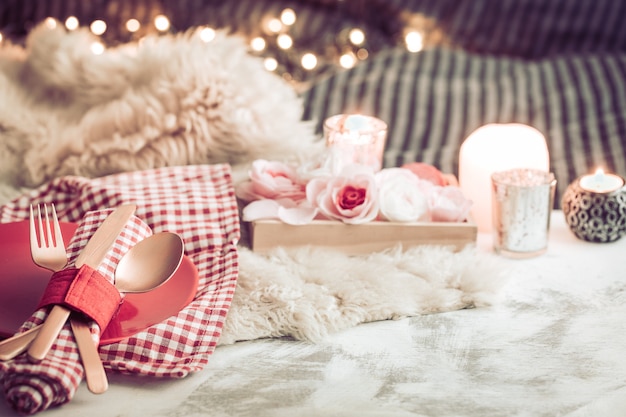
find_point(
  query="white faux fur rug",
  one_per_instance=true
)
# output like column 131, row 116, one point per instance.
column 175, row 100
column 308, row 293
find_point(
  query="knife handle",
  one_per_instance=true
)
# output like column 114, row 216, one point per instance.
column 95, row 375
column 18, row 343
column 48, row 333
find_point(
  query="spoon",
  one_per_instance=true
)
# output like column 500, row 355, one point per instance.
column 146, row 266
column 149, row 264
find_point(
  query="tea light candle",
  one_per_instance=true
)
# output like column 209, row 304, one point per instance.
column 355, row 139
column 601, row 182
column 492, row 148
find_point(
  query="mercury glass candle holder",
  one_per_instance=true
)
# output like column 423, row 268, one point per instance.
column 595, row 207
column 355, row 139
column 522, row 203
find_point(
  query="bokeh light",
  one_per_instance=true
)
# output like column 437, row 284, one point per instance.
column 270, row 64
column 309, row 61
column 288, row 17
column 98, row 27
column 71, row 23
column 133, row 25
column 207, row 34
column 258, row 44
column 162, row 23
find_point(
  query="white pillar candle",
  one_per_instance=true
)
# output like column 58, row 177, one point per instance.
column 601, row 182
column 492, row 148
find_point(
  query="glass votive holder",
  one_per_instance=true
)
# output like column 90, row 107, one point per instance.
column 522, row 202
column 355, row 139
column 595, row 207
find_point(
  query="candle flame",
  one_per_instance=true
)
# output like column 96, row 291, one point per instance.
column 599, row 172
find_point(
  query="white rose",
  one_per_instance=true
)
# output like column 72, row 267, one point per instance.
column 448, row 204
column 403, row 197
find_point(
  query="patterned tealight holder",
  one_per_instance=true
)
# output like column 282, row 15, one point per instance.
column 595, row 207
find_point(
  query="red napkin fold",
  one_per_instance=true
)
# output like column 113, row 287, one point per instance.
column 196, row 202
column 84, row 290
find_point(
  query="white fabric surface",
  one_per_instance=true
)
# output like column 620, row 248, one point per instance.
column 554, row 346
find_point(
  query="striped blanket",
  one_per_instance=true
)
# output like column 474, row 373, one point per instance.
column 433, row 100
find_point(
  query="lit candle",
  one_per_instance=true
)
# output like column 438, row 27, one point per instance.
column 601, row 182
column 492, row 148
column 355, row 139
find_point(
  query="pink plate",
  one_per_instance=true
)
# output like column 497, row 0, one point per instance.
column 22, row 283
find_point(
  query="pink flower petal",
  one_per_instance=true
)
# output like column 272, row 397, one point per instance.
column 271, row 180
column 260, row 209
column 303, row 214
column 315, row 187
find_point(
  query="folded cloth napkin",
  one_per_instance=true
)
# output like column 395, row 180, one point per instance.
column 196, row 202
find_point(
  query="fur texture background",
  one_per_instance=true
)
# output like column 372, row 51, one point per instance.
column 169, row 100
column 175, row 100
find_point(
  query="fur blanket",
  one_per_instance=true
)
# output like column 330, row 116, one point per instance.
column 169, row 100
column 175, row 100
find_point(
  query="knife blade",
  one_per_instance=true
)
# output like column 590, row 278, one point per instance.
column 100, row 243
column 92, row 255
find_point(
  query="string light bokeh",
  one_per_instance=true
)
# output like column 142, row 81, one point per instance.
column 277, row 37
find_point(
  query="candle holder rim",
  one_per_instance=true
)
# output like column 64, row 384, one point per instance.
column 550, row 178
column 379, row 124
column 621, row 189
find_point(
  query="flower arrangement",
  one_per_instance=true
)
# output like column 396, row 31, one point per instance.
column 298, row 195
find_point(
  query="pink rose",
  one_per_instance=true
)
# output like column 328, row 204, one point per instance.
column 272, row 180
column 350, row 197
column 448, row 204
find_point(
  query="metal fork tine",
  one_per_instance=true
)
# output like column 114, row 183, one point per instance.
column 49, row 242
column 58, row 238
column 32, row 229
column 42, row 236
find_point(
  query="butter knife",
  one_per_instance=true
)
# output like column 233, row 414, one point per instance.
column 92, row 255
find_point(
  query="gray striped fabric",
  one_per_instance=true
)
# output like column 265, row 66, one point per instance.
column 530, row 29
column 432, row 100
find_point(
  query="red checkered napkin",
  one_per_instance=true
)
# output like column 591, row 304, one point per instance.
column 196, row 202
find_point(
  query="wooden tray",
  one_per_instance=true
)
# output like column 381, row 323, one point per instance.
column 359, row 239
column 364, row 238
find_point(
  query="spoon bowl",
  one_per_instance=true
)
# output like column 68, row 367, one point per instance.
column 150, row 263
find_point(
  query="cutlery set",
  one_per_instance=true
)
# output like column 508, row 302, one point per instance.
column 146, row 266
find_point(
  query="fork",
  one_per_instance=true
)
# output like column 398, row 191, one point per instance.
column 49, row 252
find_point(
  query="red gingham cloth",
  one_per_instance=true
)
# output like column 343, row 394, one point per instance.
column 196, row 202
